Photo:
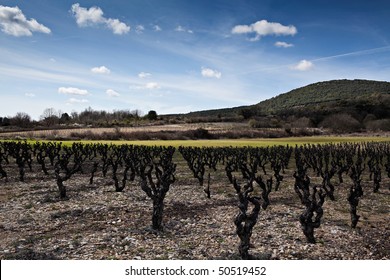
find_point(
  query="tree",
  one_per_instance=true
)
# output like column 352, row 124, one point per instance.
column 21, row 120
column 74, row 115
column 136, row 113
column 49, row 117
column 246, row 113
column 65, row 118
column 5, row 121
column 152, row 115
column 341, row 123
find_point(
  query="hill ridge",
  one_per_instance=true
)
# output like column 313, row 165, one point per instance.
column 328, row 91
column 324, row 97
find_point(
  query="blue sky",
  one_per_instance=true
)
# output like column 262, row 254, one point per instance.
column 179, row 56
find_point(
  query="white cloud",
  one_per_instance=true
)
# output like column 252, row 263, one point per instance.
column 75, row 100
column 94, row 16
column 152, row 85
column 264, row 28
column 283, row 45
column 14, row 22
column 87, row 17
column 157, row 28
column 29, row 94
column 303, row 65
column 112, row 93
column 210, row 73
column 72, row 91
column 139, row 29
column 101, row 70
column 180, row 28
column 144, row 75
column 117, row 27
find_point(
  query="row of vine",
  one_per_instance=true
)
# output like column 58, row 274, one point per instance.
column 253, row 173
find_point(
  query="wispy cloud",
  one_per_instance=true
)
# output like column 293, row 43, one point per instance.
column 28, row 94
column 15, row 23
column 356, row 53
column 210, row 73
column 94, row 16
column 157, row 28
column 76, row 100
column 72, row 91
column 142, row 86
column 152, row 85
column 303, row 65
column 180, row 28
column 280, row 44
column 112, row 93
column 139, row 29
column 144, row 75
column 264, row 28
column 100, row 70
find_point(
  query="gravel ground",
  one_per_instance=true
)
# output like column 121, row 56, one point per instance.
column 98, row 223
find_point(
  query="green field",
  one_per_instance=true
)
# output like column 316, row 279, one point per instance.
column 292, row 141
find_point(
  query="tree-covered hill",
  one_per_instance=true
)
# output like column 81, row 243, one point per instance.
column 327, row 95
column 356, row 97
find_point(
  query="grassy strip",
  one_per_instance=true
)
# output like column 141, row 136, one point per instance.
column 292, row 141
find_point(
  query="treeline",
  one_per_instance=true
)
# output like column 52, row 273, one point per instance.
column 55, row 118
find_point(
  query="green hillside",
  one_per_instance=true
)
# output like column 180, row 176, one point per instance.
column 326, row 95
column 356, row 97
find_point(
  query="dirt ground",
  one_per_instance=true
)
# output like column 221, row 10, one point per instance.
column 98, row 223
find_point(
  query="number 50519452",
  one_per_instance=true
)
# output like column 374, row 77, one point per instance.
column 232, row 270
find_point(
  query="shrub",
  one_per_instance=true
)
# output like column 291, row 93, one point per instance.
column 378, row 125
column 303, row 122
column 341, row 123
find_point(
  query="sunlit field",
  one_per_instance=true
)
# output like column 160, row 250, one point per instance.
column 292, row 141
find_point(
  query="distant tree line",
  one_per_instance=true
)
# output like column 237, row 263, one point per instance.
column 51, row 117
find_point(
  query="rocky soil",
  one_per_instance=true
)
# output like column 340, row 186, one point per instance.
column 96, row 222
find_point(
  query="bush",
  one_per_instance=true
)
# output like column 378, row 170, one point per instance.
column 378, row 125
column 266, row 122
column 303, row 122
column 202, row 133
column 341, row 123
column 152, row 115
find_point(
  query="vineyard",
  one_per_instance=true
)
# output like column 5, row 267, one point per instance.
column 104, row 201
